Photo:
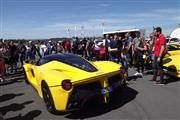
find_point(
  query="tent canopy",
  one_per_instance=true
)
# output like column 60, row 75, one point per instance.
column 175, row 33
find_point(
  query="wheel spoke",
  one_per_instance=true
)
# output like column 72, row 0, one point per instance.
column 48, row 98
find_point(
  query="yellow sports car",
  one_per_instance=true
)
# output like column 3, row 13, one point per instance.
column 171, row 60
column 67, row 81
column 173, row 49
column 171, row 65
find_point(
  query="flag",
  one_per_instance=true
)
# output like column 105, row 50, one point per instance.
column 75, row 29
column 82, row 31
column 82, row 27
column 68, row 29
column 103, row 26
column 102, row 23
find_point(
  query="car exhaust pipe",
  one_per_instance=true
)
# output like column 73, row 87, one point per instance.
column 70, row 106
column 76, row 105
column 73, row 105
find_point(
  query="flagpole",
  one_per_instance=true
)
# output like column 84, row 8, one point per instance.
column 68, row 32
column 103, row 26
column 82, row 31
column 93, row 30
column 75, row 28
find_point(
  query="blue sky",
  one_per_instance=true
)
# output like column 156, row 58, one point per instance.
column 51, row 18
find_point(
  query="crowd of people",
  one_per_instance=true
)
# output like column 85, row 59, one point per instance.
column 124, row 50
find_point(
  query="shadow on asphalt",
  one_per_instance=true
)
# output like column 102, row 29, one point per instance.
column 9, row 96
column 14, row 107
column 29, row 116
column 171, row 79
column 132, row 78
column 11, row 81
column 117, row 100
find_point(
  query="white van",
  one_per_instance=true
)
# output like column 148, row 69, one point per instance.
column 122, row 32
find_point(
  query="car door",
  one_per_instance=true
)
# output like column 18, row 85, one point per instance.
column 36, row 70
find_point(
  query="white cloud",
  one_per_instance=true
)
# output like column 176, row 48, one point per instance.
column 167, row 11
column 160, row 14
column 104, row 5
column 175, row 18
column 97, row 23
column 117, row 19
column 158, row 17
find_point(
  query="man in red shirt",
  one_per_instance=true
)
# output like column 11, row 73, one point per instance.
column 68, row 46
column 159, row 48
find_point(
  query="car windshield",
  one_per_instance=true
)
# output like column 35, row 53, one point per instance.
column 69, row 59
column 173, row 47
column 174, row 40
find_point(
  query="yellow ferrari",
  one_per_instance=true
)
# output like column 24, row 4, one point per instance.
column 171, row 65
column 173, row 49
column 171, row 61
column 66, row 81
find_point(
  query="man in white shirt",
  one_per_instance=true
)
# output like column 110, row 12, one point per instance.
column 106, row 42
column 42, row 48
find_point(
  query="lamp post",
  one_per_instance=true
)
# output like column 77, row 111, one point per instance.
column 93, row 30
column 68, row 32
column 82, row 31
column 103, row 26
column 75, row 29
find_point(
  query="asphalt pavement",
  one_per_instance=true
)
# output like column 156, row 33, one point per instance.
column 141, row 100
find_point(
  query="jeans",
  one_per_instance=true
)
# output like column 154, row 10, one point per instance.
column 114, row 57
column 126, row 60
column 152, row 56
column 139, row 61
column 158, row 66
column 22, row 57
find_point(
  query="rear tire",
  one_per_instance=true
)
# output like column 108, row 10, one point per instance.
column 25, row 77
column 48, row 98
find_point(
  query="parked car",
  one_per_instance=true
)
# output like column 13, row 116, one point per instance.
column 173, row 49
column 171, row 60
column 171, row 65
column 173, row 40
column 67, row 81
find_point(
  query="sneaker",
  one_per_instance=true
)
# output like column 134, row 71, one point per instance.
column 127, row 82
column 136, row 74
column 140, row 74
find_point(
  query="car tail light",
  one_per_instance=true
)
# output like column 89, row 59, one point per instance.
column 66, row 84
